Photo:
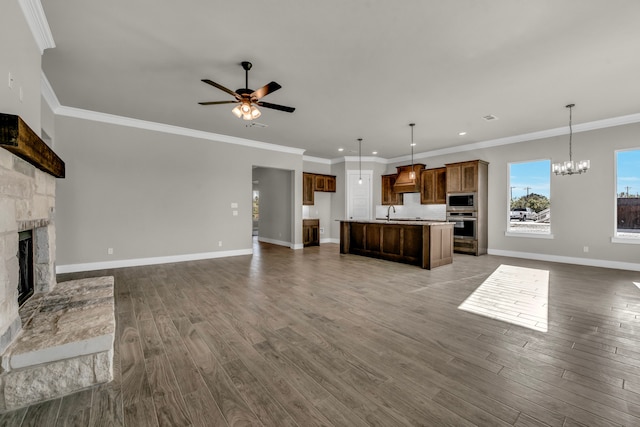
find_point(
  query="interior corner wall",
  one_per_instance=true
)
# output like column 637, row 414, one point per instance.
column 276, row 204
column 150, row 194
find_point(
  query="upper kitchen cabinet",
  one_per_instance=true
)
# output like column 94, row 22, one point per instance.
column 463, row 177
column 325, row 183
column 390, row 197
column 316, row 182
column 433, row 188
column 308, row 186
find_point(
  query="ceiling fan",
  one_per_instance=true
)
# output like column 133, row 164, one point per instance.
column 247, row 99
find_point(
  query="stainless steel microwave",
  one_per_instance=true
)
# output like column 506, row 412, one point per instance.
column 462, row 202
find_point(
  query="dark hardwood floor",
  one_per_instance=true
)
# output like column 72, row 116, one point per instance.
column 315, row 338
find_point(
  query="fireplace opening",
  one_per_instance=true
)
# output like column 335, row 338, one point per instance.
column 25, row 262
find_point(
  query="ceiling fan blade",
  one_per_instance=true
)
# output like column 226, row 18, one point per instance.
column 276, row 107
column 265, row 90
column 217, row 102
column 222, row 88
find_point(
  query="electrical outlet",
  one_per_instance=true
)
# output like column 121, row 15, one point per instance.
column 21, row 94
column 234, row 205
column 10, row 80
column 220, row 243
column 109, row 251
column 585, row 249
column 235, row 213
column 321, row 230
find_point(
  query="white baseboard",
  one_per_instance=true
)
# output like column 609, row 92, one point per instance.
column 91, row 266
column 330, row 240
column 568, row 260
column 275, row 242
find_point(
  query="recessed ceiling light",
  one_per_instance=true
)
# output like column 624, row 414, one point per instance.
column 462, row 133
column 340, row 149
column 375, row 152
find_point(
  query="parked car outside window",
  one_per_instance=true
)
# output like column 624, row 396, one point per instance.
column 523, row 214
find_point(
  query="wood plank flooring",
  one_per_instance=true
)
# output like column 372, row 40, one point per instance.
column 315, row 338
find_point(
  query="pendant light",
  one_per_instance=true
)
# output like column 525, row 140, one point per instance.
column 360, row 159
column 412, row 174
column 569, row 167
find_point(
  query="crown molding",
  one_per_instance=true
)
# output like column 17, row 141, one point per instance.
column 37, row 21
column 549, row 133
column 170, row 129
column 48, row 94
column 371, row 159
column 317, row 160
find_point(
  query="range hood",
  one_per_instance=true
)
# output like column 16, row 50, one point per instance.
column 404, row 182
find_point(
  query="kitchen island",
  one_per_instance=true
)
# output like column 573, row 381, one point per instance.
column 428, row 244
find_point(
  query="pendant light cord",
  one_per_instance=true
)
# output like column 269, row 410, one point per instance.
column 360, row 156
column 570, row 107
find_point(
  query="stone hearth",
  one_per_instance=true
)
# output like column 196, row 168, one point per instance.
column 66, row 343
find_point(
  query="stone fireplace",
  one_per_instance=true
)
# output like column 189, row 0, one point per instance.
column 61, row 339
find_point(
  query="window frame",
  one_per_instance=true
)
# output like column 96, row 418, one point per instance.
column 534, row 234
column 615, row 237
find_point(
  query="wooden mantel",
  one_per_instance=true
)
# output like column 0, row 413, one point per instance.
column 17, row 137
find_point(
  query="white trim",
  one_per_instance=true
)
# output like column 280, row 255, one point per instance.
column 329, row 240
column 37, row 22
column 170, row 129
column 317, row 160
column 568, row 260
column 102, row 265
column 583, row 127
column 275, row 242
column 372, row 159
column 48, row 94
column 297, row 246
column 625, row 240
column 530, row 235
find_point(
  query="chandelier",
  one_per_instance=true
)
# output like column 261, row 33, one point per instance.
column 570, row 167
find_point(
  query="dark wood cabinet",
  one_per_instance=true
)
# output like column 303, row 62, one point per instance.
column 462, row 177
column 330, row 183
column 308, row 186
column 310, row 232
column 390, row 197
column 433, row 188
column 316, row 182
column 427, row 245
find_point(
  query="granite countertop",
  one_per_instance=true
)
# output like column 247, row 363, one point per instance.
column 401, row 221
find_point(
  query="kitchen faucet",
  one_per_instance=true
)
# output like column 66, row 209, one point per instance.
column 389, row 212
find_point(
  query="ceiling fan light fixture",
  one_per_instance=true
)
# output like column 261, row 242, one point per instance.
column 237, row 111
column 255, row 113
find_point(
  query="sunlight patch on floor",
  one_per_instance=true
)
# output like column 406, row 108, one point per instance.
column 516, row 295
column 637, row 284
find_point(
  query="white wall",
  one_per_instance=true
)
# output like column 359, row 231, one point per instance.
column 149, row 194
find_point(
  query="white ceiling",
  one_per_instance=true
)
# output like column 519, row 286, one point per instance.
column 353, row 69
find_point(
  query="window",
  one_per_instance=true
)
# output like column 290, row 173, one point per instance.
column 255, row 205
column 628, row 194
column 530, row 198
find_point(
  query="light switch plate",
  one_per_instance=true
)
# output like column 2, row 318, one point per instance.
column 234, row 205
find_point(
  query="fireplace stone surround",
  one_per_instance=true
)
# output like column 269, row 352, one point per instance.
column 59, row 346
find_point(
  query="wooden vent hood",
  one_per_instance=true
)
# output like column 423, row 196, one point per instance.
column 16, row 136
column 404, row 182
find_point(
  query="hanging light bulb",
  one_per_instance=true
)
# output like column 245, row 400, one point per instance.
column 246, row 111
column 412, row 174
column 569, row 167
column 360, row 159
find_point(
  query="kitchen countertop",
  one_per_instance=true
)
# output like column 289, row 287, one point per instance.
column 398, row 221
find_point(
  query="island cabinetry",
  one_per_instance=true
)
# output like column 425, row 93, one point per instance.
column 427, row 245
column 310, row 232
column 389, row 196
column 462, row 177
column 433, row 188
